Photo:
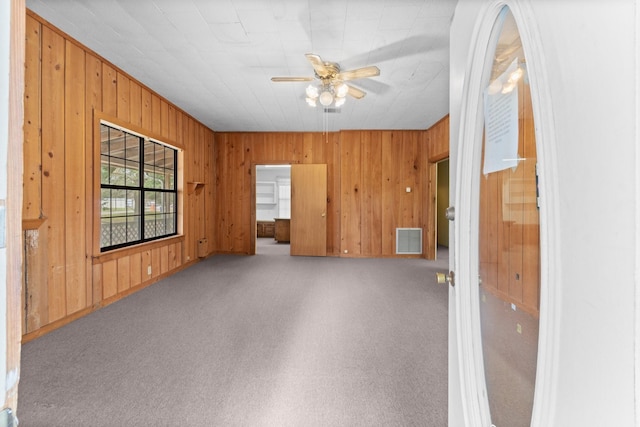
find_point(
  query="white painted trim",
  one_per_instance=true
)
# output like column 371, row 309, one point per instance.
column 474, row 395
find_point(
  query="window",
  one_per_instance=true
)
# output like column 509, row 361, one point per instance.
column 138, row 189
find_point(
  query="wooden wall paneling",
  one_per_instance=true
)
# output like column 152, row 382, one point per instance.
column 209, row 192
column 156, row 126
column 61, row 277
column 164, row 259
column 417, row 182
column 191, row 176
column 350, row 201
column 93, row 103
column 178, row 254
column 32, row 175
column 36, row 296
column 389, row 186
column 172, row 260
column 429, row 244
column 109, row 279
column 98, row 284
column 109, row 90
column 408, row 165
column 13, row 150
column 309, row 149
column 179, row 137
column 135, row 103
column 371, row 213
column 333, row 193
column 219, row 225
column 155, row 262
column 242, row 204
column 123, row 107
column 438, row 140
column 135, row 269
column 404, row 165
column 74, row 186
column 171, row 124
column 146, row 115
column 164, row 118
column 146, row 263
column 199, row 196
column 200, row 147
column 53, row 69
column 123, row 282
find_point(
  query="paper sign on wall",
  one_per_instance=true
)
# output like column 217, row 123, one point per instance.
column 501, row 121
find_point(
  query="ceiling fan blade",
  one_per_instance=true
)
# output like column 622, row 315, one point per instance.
column 356, row 93
column 318, row 64
column 359, row 73
column 291, row 79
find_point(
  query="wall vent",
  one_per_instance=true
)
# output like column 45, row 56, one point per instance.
column 409, row 241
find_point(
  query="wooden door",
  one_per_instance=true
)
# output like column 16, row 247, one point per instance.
column 309, row 210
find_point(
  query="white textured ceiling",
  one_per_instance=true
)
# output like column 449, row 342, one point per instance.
column 214, row 58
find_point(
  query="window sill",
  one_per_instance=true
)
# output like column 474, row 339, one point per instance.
column 129, row 250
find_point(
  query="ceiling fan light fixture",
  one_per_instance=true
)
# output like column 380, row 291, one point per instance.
column 326, row 98
column 342, row 90
column 340, row 101
column 312, row 91
column 311, row 101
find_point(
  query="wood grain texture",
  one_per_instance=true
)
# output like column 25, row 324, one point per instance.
column 68, row 89
column 308, row 225
column 367, row 176
column 53, row 155
column 14, row 169
column 73, row 191
column 32, row 180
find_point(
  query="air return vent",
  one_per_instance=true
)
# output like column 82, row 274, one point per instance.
column 408, row 241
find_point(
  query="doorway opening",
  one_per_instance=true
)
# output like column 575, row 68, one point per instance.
column 442, row 203
column 273, row 209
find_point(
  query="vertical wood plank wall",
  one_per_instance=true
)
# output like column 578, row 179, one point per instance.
column 67, row 88
column 368, row 173
column 236, row 154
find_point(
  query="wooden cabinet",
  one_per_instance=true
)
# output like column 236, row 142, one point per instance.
column 282, row 229
column 266, row 228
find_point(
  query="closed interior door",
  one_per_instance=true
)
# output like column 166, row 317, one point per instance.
column 309, row 210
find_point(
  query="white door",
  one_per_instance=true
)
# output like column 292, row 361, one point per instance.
column 495, row 238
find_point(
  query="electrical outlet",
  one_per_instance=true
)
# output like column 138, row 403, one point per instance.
column 519, row 328
column 149, row 270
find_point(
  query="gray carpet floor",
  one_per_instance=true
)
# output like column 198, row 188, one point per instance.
column 264, row 340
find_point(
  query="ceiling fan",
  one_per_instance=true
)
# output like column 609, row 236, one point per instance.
column 332, row 88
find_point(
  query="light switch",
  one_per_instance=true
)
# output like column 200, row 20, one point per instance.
column 408, row 189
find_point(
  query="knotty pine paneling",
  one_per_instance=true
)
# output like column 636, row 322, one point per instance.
column 73, row 193
column 438, row 140
column 68, row 88
column 32, row 172
column 236, row 155
column 367, row 176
